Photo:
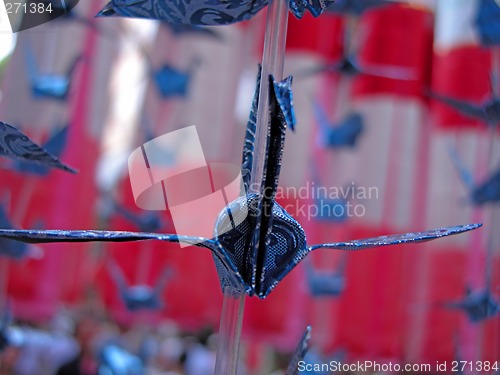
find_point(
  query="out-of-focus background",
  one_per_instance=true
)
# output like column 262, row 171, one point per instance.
column 396, row 304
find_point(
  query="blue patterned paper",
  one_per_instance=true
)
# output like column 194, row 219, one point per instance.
column 16, row 145
column 255, row 255
column 204, row 12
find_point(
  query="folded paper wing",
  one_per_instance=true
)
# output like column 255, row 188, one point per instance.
column 256, row 241
column 204, row 12
column 16, row 145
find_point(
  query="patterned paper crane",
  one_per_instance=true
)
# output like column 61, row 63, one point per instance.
column 16, row 145
column 256, row 242
column 204, row 12
column 55, row 145
column 299, row 353
column 48, row 85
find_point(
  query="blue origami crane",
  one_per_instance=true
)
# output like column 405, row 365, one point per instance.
column 486, row 192
column 204, row 12
column 18, row 146
column 488, row 111
column 53, row 86
column 479, row 304
column 171, row 82
column 300, row 353
column 147, row 221
column 349, row 66
column 356, row 7
column 488, row 22
column 326, row 283
column 140, row 297
column 344, row 134
column 333, row 209
column 255, row 255
column 55, row 145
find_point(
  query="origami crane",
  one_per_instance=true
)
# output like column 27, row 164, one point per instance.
column 479, row 304
column 204, row 12
column 300, row 353
column 344, row 134
column 53, row 86
column 140, row 297
column 486, row 192
column 348, row 66
column 171, row 82
column 356, row 7
column 331, row 209
column 55, row 145
column 19, row 147
column 326, row 283
column 488, row 22
column 267, row 243
column 148, row 221
column 487, row 111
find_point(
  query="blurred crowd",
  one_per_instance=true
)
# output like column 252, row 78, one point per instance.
column 90, row 344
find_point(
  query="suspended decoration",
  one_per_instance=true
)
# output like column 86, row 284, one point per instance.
column 18, row 146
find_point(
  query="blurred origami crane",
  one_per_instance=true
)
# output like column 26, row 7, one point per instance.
column 204, row 12
column 486, row 192
column 356, row 7
column 18, row 146
column 267, row 243
column 479, row 304
column 326, row 283
column 349, row 66
column 147, row 221
column 14, row 249
column 300, row 353
column 343, row 134
column 488, row 111
column 55, row 145
column 140, row 297
column 488, row 22
column 171, row 82
column 331, row 207
column 53, row 86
